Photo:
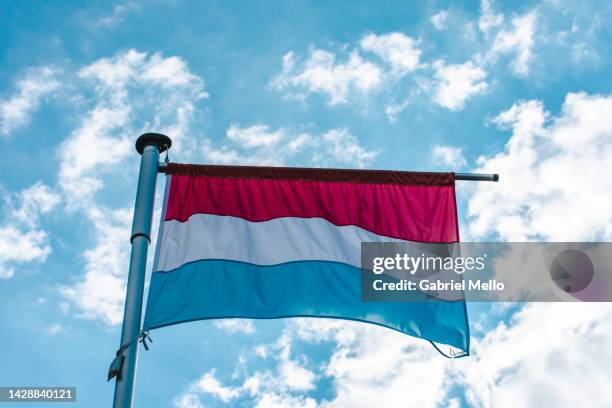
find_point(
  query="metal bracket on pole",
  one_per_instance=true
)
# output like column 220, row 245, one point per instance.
column 149, row 145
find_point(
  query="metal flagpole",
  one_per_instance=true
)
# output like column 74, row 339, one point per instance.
column 477, row 177
column 149, row 145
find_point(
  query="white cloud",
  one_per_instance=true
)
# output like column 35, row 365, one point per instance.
column 261, row 351
column 439, row 20
column 393, row 109
column 120, row 11
column 397, row 49
column 188, row 401
column 90, row 147
column 22, row 240
column 321, row 73
column 555, row 35
column 374, row 366
column 132, row 93
column 272, row 400
column 258, row 144
column 358, row 75
column 33, row 201
column 518, row 41
column 226, row 155
column 488, row 19
column 344, row 148
column 292, row 373
column 209, row 384
column 99, row 294
column 456, row 83
column 115, row 76
column 236, row 325
column 551, row 182
column 448, row 156
column 171, row 72
column 583, row 41
column 18, row 246
column 115, row 71
column 296, row 377
column 15, row 112
column 254, row 136
column 273, row 387
column 512, row 364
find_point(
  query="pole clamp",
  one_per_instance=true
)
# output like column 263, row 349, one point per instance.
column 140, row 234
column 116, row 366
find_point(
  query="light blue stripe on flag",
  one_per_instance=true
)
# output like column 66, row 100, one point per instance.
column 210, row 289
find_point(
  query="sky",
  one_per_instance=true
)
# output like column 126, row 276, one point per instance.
column 519, row 88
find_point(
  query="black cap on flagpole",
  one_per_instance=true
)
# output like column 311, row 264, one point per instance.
column 162, row 142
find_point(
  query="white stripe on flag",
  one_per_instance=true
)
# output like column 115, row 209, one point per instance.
column 206, row 236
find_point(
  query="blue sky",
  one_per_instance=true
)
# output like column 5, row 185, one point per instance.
column 519, row 88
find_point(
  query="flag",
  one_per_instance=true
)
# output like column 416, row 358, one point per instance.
column 273, row 242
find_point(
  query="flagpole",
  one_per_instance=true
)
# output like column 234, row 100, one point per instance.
column 149, row 145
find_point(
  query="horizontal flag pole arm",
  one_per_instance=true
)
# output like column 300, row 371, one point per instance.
column 162, row 167
column 477, row 177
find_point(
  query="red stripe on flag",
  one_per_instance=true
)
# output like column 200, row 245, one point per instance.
column 410, row 212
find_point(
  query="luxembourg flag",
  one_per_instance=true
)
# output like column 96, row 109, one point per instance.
column 272, row 242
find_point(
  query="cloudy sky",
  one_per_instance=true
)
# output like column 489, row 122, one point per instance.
column 522, row 89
